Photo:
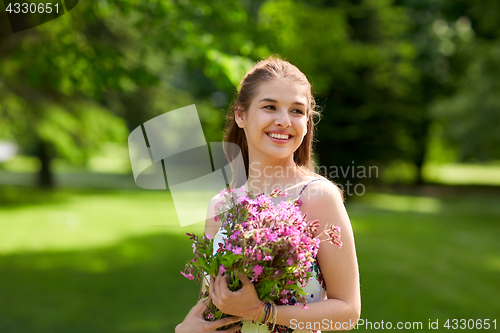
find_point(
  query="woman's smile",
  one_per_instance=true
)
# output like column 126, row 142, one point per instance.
column 279, row 137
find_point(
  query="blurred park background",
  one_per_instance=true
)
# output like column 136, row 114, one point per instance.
column 407, row 86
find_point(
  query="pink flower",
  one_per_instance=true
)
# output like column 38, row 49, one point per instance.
column 257, row 270
column 237, row 250
column 222, row 269
column 189, row 276
column 271, row 237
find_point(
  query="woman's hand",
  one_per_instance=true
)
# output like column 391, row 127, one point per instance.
column 237, row 303
column 194, row 322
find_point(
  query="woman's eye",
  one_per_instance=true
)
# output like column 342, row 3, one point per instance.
column 269, row 107
column 298, row 111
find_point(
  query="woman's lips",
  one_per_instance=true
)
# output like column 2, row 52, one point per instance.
column 276, row 140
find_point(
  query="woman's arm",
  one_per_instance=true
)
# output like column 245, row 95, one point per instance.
column 194, row 321
column 211, row 229
column 339, row 267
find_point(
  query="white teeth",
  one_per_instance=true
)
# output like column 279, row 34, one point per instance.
column 279, row 136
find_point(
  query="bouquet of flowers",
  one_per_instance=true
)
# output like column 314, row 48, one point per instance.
column 272, row 245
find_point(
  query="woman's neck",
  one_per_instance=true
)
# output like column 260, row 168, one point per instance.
column 265, row 176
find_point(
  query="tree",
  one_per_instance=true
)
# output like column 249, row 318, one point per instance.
column 67, row 85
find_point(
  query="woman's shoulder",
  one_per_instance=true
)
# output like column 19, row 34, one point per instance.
column 321, row 191
column 319, row 186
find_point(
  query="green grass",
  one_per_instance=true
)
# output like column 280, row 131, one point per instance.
column 463, row 174
column 108, row 261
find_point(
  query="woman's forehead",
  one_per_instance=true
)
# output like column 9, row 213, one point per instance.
column 281, row 91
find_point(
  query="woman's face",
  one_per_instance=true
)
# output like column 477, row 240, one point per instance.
column 276, row 121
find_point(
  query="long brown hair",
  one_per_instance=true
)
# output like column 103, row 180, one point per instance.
column 265, row 71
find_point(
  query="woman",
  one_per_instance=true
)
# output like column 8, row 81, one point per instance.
column 272, row 120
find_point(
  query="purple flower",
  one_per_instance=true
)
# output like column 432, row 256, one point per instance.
column 257, row 270
column 271, row 237
column 242, row 199
column 237, row 250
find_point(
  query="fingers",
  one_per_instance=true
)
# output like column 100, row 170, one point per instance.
column 201, row 306
column 222, row 285
column 212, row 292
column 244, row 279
column 226, row 321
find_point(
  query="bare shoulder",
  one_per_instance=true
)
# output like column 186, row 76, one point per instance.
column 323, row 201
column 321, row 192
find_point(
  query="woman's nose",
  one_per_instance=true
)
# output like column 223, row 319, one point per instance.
column 282, row 119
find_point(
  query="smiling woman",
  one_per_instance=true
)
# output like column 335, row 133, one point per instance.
column 272, row 121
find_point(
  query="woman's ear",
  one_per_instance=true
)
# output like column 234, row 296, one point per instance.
column 238, row 117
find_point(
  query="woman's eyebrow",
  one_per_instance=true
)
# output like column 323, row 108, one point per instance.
column 275, row 101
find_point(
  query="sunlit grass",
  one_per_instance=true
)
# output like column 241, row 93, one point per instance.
column 83, row 219
column 463, row 174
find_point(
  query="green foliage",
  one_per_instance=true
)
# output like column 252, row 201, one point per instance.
column 385, row 72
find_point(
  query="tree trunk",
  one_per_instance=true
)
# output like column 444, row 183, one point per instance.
column 45, row 175
column 421, row 142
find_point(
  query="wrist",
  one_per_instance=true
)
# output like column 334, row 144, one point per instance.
column 254, row 313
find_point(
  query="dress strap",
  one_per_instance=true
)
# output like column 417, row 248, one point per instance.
column 309, row 182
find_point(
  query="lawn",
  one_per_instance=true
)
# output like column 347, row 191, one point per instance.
column 96, row 261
